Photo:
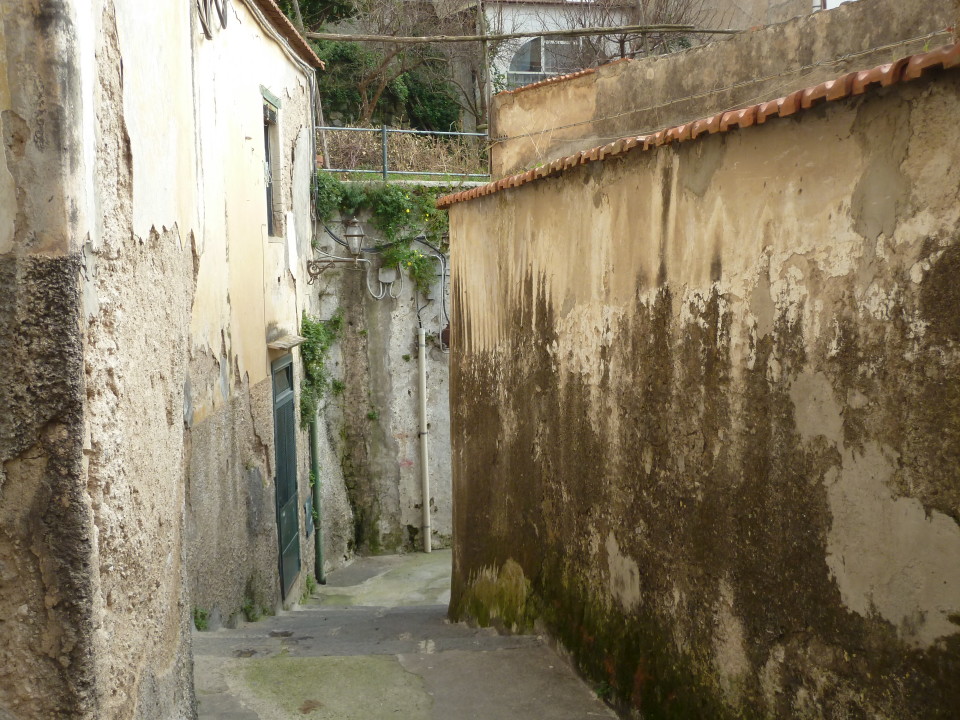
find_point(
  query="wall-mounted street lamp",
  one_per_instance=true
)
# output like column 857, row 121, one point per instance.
column 353, row 233
column 353, row 237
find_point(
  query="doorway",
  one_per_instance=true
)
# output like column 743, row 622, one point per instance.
column 285, row 443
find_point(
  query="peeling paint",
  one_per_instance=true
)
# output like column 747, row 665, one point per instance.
column 888, row 555
column 716, row 424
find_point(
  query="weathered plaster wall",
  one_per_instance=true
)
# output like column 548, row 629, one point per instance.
column 251, row 288
column 376, row 423
column 137, row 291
column 635, row 97
column 705, row 410
column 47, row 538
column 139, row 288
column 754, row 13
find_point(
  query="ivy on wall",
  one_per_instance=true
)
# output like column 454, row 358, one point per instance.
column 319, row 336
column 399, row 213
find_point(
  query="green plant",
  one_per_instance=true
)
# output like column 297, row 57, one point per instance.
column 604, row 691
column 373, row 414
column 201, row 619
column 309, row 586
column 319, row 336
column 400, row 213
column 390, row 209
column 251, row 611
column 406, row 358
column 431, row 101
column 329, row 195
column 353, row 198
column 421, row 267
column 363, row 84
column 337, row 386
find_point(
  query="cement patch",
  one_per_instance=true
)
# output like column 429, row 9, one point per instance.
column 888, row 555
column 386, row 581
column 334, row 688
column 532, row 682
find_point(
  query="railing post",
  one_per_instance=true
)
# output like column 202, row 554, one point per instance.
column 383, row 146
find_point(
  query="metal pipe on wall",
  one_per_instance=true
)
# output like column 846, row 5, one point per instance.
column 318, row 571
column 424, row 456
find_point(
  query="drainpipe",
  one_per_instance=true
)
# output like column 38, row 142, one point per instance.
column 318, row 571
column 424, row 464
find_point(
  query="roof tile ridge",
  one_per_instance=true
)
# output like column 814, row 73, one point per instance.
column 910, row 67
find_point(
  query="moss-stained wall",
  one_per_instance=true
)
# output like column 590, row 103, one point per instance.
column 707, row 398
column 375, row 421
column 48, row 582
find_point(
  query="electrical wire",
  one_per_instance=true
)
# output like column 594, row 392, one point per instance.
column 386, row 290
column 422, row 239
column 383, row 288
column 371, row 250
column 400, row 280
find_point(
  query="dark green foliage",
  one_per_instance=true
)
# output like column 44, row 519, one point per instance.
column 200, row 619
column 432, row 102
column 329, row 195
column 399, row 212
column 319, row 337
column 347, row 86
column 353, row 199
column 317, row 13
column 390, row 210
column 421, row 267
column 251, row 611
column 339, row 84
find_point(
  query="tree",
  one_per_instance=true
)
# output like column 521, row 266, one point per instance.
column 382, row 80
column 598, row 49
column 542, row 57
column 316, row 13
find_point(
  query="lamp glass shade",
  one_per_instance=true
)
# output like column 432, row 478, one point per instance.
column 354, row 236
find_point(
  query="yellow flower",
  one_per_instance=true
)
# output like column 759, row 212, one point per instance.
column 408, row 209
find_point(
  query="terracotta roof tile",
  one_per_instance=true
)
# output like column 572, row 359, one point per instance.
column 561, row 78
column 945, row 57
column 855, row 83
column 286, row 28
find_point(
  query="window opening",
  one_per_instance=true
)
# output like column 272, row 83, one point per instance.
column 541, row 58
column 270, row 154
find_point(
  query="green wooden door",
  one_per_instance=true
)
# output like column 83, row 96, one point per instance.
column 285, row 442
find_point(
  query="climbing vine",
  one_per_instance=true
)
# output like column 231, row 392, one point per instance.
column 399, row 213
column 421, row 267
column 319, row 336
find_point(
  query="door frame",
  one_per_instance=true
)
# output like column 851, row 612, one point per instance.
column 281, row 400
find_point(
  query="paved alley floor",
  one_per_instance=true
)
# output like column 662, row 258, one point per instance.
column 374, row 643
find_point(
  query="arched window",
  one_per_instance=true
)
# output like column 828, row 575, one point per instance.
column 540, row 58
column 528, row 58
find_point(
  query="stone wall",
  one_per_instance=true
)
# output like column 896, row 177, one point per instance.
column 49, row 579
column 634, row 97
column 139, row 289
column 705, row 414
column 375, row 422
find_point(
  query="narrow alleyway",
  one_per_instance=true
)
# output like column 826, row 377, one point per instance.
column 375, row 643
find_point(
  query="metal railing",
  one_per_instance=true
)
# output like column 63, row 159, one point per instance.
column 385, row 170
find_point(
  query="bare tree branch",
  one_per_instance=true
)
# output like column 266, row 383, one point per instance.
column 411, row 40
